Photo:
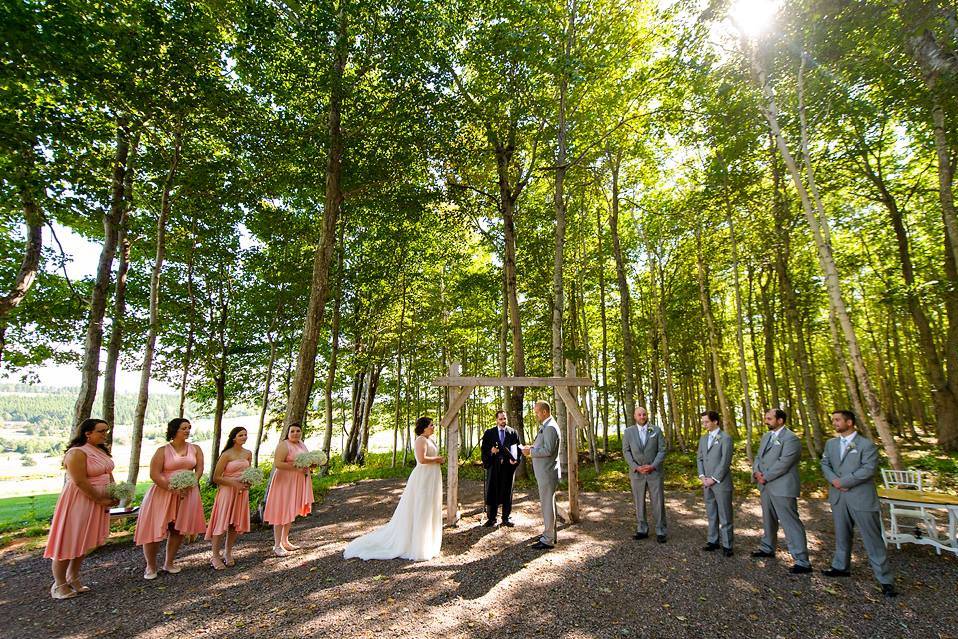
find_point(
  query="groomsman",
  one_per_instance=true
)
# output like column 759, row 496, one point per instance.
column 849, row 463
column 715, row 462
column 776, row 471
column 500, row 456
column 644, row 448
column 545, row 463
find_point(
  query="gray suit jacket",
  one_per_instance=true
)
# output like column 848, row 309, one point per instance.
column 718, row 461
column 856, row 472
column 778, row 461
column 545, row 451
column 638, row 455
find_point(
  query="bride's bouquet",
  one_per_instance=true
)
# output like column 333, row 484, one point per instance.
column 252, row 476
column 121, row 491
column 182, row 480
column 310, row 459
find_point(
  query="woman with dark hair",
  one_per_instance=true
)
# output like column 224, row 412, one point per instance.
column 415, row 530
column 166, row 513
column 81, row 520
column 290, row 493
column 230, row 515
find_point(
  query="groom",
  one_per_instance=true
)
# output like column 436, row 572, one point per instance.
column 545, row 452
column 500, row 456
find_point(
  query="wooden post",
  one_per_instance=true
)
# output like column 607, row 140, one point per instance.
column 573, row 414
column 451, row 419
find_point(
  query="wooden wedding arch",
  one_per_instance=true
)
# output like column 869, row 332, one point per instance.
column 458, row 389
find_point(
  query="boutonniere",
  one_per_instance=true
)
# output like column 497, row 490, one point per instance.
column 851, row 448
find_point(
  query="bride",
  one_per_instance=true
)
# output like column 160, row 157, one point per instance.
column 415, row 530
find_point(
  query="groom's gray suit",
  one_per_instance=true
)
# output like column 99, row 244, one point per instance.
column 545, row 464
column 637, row 453
column 856, row 506
column 715, row 462
column 777, row 459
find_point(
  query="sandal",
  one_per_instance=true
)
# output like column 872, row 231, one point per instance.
column 279, row 551
column 57, row 591
column 217, row 563
column 77, row 586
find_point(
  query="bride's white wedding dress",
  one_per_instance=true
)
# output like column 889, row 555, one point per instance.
column 415, row 530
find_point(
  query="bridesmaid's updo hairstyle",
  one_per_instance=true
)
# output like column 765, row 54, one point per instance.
column 173, row 426
column 85, row 427
column 293, row 425
column 422, row 424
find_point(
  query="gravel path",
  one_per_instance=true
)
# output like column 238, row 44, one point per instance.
column 597, row 583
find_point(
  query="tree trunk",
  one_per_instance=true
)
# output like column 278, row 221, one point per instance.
column 507, row 202
column 146, row 367
column 399, row 347
column 191, row 333
column 306, row 359
column 334, row 351
column 815, row 216
column 90, row 369
column 605, row 334
column 625, row 299
column 119, row 296
column 943, row 384
column 714, row 340
column 768, row 321
column 740, row 337
column 265, row 402
column 27, row 190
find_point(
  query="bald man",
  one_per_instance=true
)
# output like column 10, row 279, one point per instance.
column 644, row 448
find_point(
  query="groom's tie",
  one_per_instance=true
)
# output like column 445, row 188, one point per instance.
column 502, row 436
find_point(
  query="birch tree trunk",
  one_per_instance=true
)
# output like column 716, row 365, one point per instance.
column 815, row 216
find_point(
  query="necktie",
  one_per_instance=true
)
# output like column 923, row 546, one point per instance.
column 642, row 435
column 502, row 436
column 711, row 441
column 844, row 447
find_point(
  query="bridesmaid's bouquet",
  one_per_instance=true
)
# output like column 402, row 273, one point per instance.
column 252, row 476
column 121, row 491
column 310, row 459
column 182, row 480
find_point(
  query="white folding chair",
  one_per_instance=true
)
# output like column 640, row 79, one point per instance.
column 910, row 479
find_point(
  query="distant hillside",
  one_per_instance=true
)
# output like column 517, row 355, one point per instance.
column 50, row 409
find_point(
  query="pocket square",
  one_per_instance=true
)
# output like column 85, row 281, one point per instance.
column 777, row 443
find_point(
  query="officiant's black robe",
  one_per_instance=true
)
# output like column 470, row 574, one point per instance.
column 500, row 473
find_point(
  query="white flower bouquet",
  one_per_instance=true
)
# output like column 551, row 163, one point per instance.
column 182, row 480
column 121, row 491
column 310, row 459
column 252, row 476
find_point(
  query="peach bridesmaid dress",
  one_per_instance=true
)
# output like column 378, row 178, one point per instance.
column 79, row 524
column 163, row 507
column 290, row 492
column 231, row 507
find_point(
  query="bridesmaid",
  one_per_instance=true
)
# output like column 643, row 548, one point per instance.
column 81, row 521
column 290, row 492
column 230, row 514
column 168, row 514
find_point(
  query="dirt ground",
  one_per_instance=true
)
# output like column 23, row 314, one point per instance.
column 598, row 582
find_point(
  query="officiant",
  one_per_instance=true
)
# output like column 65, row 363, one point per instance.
column 500, row 457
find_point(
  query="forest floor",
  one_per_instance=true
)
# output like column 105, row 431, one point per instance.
column 598, row 582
